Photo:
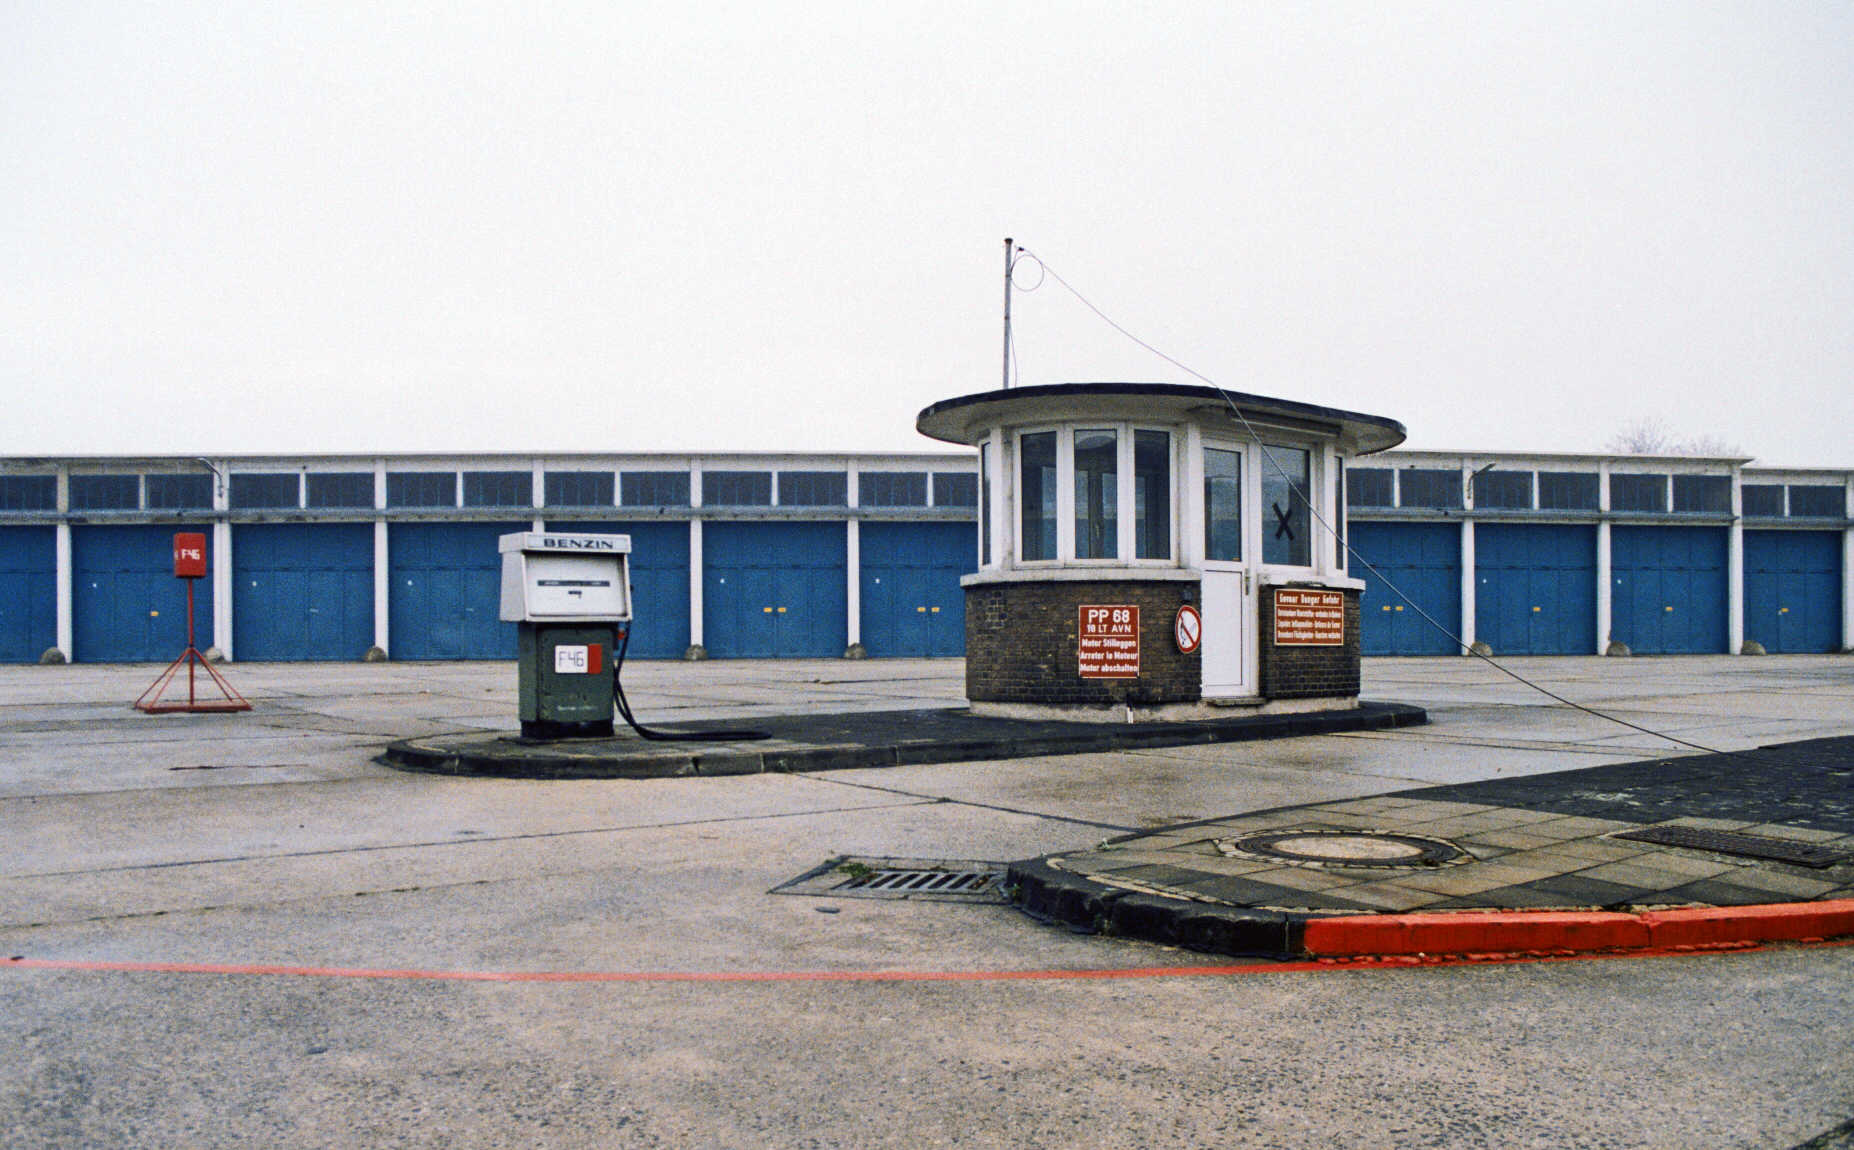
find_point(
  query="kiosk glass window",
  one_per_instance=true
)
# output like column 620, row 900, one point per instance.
column 1037, row 453
column 1097, row 495
column 1152, row 495
column 1286, row 538
column 1222, row 505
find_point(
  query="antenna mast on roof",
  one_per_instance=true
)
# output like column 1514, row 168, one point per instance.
column 1007, row 311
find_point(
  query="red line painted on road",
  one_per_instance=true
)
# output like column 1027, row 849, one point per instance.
column 1363, row 962
column 657, row 976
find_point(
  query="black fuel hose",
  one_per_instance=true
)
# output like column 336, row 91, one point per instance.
column 624, row 708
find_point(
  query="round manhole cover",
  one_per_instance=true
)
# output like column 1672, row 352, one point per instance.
column 1347, row 849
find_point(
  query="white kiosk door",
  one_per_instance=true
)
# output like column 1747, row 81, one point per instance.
column 1229, row 582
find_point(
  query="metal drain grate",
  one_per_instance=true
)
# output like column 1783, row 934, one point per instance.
column 928, row 880
column 1731, row 843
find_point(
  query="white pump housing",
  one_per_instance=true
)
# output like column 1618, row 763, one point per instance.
column 550, row 577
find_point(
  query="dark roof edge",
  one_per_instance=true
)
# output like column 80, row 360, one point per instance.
column 1180, row 390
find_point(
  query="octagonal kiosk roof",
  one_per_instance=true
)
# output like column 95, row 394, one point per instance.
column 967, row 419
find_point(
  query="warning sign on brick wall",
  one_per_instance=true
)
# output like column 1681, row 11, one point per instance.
column 1309, row 618
column 1107, row 643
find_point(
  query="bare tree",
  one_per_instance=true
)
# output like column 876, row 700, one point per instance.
column 1653, row 435
column 1649, row 435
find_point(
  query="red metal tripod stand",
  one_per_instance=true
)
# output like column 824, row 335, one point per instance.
column 151, row 703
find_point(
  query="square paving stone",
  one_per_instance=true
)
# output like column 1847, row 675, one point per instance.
column 1694, row 865
column 1505, row 898
column 1578, row 890
column 1600, row 850
column 1306, row 878
column 1156, row 875
column 1238, row 890
column 1518, row 840
column 1457, row 881
column 1780, row 883
column 1386, row 896
column 1717, row 892
column 1576, row 827
column 1641, row 873
column 1222, row 864
column 1709, row 824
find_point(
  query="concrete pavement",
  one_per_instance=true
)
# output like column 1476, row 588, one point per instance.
column 273, row 838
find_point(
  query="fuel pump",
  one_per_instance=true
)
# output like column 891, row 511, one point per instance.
column 571, row 597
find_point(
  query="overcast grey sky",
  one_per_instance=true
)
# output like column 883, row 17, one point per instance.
column 410, row 227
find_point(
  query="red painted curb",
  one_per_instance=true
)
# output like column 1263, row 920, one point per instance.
column 1582, row 931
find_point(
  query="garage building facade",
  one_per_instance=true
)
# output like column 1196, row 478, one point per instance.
column 327, row 557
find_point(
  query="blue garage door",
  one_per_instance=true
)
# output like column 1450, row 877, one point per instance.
column 126, row 605
column 659, row 584
column 1424, row 561
column 302, row 590
column 1668, row 593
column 28, row 592
column 447, row 591
column 775, row 589
column 912, row 603
column 1793, row 590
column 1535, row 588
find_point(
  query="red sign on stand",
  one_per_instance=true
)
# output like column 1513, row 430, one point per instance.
column 1309, row 618
column 1107, row 643
column 190, row 555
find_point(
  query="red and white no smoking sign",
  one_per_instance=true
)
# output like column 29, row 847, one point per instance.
column 1187, row 629
column 1107, row 643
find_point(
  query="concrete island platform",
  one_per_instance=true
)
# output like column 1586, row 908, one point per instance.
column 1761, row 849
column 856, row 740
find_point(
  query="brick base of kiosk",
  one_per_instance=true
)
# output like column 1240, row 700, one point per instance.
column 1027, row 654
column 1023, row 643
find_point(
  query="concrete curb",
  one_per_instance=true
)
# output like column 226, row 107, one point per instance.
column 1062, row 898
column 495, row 755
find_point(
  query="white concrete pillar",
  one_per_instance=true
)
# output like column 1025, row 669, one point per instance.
column 695, row 583
column 222, row 589
column 1467, row 585
column 221, row 565
column 1605, row 584
column 853, row 554
column 853, row 561
column 63, row 591
column 1847, row 575
column 382, row 565
column 1466, row 630
column 61, row 578
column 695, row 556
column 1735, row 575
column 1191, row 503
column 539, row 494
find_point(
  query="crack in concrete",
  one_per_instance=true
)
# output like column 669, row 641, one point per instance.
column 966, row 803
column 473, row 840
